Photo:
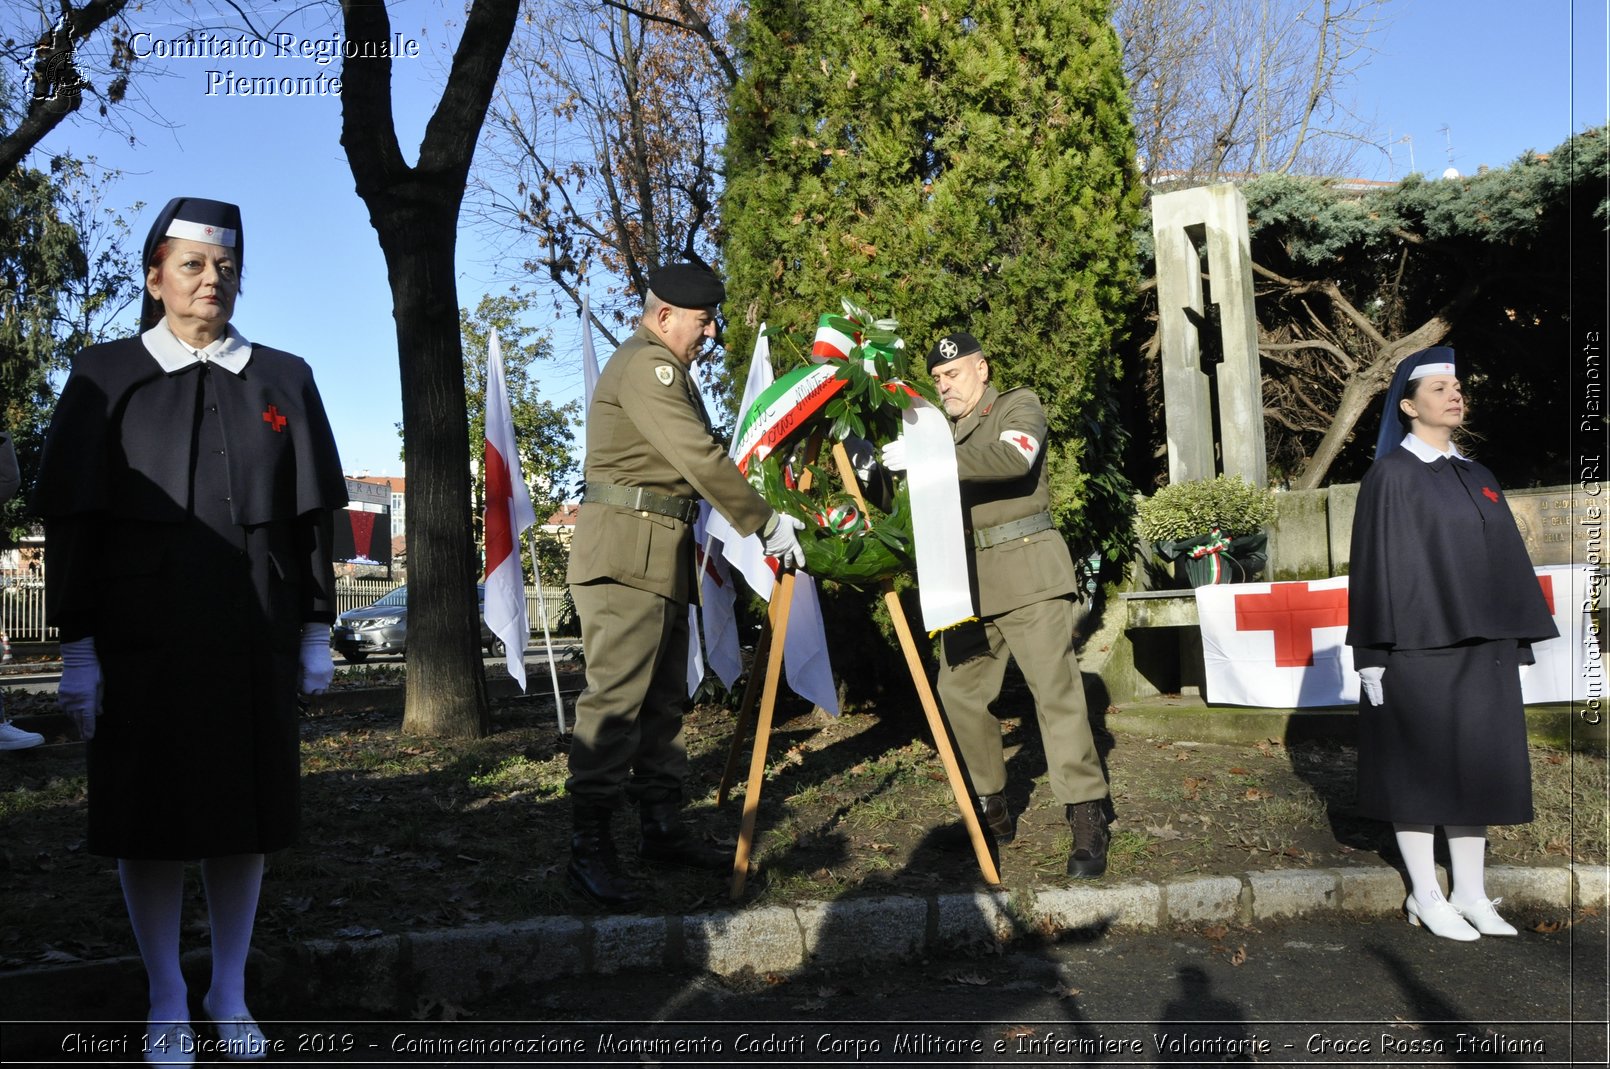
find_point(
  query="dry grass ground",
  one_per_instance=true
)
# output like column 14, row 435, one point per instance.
column 405, row 833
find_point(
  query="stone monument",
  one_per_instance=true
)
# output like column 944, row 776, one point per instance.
column 1212, row 388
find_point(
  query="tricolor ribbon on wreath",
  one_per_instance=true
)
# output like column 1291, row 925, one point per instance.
column 1214, row 551
column 924, row 521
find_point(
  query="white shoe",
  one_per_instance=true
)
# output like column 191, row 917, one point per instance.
column 172, row 1044
column 240, row 1038
column 1441, row 918
column 1484, row 918
column 14, row 738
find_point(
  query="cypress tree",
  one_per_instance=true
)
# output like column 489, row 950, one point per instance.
column 956, row 166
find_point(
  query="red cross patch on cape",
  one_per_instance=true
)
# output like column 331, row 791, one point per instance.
column 272, row 417
column 1023, row 442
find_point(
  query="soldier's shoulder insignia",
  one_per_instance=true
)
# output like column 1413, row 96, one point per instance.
column 665, row 373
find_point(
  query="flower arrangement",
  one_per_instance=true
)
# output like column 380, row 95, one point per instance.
column 1184, row 510
column 1215, row 526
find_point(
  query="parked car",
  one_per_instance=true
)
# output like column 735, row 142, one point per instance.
column 383, row 627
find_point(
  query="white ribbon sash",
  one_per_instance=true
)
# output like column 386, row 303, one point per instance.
column 936, row 517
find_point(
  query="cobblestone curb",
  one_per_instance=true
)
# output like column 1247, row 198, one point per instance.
column 396, row 973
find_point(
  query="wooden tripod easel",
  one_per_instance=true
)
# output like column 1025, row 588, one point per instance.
column 770, row 649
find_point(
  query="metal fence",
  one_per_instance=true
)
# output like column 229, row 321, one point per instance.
column 22, row 608
column 22, row 604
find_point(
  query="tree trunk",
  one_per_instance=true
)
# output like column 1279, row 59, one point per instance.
column 414, row 210
column 446, row 690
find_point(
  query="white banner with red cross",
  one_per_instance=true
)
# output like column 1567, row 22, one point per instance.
column 1283, row 645
column 1566, row 665
column 1280, row 645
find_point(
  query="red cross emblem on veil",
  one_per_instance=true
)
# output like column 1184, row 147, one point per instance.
column 1291, row 611
column 272, row 417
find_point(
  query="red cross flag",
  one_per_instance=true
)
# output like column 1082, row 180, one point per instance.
column 508, row 513
column 1567, row 667
column 1277, row 645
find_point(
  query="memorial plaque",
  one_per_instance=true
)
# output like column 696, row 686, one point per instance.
column 1560, row 524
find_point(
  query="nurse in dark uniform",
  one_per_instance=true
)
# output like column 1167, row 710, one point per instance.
column 1443, row 608
column 188, row 486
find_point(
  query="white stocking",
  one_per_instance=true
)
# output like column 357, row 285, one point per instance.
column 153, row 891
column 1417, row 844
column 232, row 886
column 1467, row 852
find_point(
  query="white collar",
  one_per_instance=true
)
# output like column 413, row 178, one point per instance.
column 1428, row 452
column 231, row 352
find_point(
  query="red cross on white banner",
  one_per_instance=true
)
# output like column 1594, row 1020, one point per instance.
column 1291, row 611
column 1277, row 645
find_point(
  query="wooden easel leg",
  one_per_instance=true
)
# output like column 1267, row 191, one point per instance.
column 746, row 711
column 925, row 694
column 782, row 600
column 936, row 725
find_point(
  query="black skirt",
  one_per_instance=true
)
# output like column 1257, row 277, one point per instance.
column 1448, row 745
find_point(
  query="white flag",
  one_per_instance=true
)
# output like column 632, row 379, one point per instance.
column 808, row 670
column 589, row 361
column 508, row 514
column 746, row 555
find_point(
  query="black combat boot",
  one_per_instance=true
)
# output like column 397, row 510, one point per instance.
column 595, row 868
column 666, row 841
column 1088, row 858
column 997, row 817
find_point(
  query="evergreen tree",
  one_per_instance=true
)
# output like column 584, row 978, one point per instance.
column 956, row 166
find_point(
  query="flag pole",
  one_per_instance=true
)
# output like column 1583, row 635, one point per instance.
column 547, row 638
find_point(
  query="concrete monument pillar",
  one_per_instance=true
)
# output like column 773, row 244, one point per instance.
column 1212, row 388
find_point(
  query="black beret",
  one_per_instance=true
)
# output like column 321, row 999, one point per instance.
column 687, row 286
column 950, row 347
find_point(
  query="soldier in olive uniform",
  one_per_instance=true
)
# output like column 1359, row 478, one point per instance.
column 1023, row 588
column 650, row 457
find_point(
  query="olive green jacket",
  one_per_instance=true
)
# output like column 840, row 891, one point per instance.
column 647, row 427
column 1000, row 458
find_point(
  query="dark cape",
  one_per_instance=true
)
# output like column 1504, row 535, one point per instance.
column 1442, row 594
column 188, row 521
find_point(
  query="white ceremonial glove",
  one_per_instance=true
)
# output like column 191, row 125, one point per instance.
column 894, row 455
column 317, row 668
column 1369, row 681
column 782, row 541
column 79, row 693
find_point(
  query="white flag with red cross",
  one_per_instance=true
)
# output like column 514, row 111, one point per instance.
column 1565, row 665
column 508, row 514
column 1278, row 645
column 1283, row 645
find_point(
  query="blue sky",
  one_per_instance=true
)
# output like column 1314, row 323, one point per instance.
column 1469, row 82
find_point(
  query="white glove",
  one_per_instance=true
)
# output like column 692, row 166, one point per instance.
column 1369, row 681
column 781, row 540
column 79, row 693
column 894, row 455
column 317, row 668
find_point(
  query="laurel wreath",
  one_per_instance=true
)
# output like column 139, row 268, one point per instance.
column 841, row 541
